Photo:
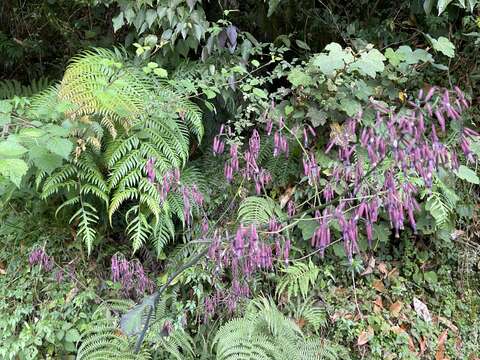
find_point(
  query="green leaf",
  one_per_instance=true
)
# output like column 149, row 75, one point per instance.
column 260, row 93
column 443, row 45
column 5, row 112
column 467, row 174
column 45, row 160
column 442, row 5
column 118, row 22
column 150, row 17
column 428, row 6
column 131, row 322
column 334, row 60
column 350, row 106
column 317, row 117
column 14, row 169
column 72, row 335
column 302, row 45
column 430, row 277
column 370, row 63
column 299, row 77
column 393, row 57
column 61, row 147
column 160, row 72
column 272, row 6
column 11, row 149
column 308, row 227
column 471, row 4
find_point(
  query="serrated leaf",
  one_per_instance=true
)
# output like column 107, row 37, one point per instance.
column 370, row 63
column 61, row 147
column 13, row 169
column 443, row 45
column 299, row 77
column 11, row 148
column 467, row 174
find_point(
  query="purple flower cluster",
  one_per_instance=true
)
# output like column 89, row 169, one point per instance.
column 131, row 276
column 244, row 254
column 170, row 181
column 409, row 140
column 150, row 169
column 41, row 258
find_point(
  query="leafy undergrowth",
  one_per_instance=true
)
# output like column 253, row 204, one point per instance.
column 413, row 300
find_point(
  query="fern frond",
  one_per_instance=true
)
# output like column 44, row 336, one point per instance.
column 298, row 279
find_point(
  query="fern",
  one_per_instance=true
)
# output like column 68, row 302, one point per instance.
column 263, row 333
column 104, row 337
column 298, row 279
column 258, row 210
column 12, row 88
column 123, row 118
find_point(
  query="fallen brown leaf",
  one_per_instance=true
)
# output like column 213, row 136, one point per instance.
column 378, row 285
column 423, row 345
column 370, row 267
column 378, row 305
column 365, row 336
column 448, row 324
column 440, row 354
column 382, row 268
column 395, row 308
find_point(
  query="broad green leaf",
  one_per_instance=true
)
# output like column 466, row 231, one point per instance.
column 299, row 77
column 428, row 6
column 260, row 93
column 430, row 277
column 61, row 147
column 14, row 169
column 72, row 335
column 443, row 45
column 336, row 59
column 45, row 160
column 11, row 149
column 317, row 117
column 302, row 45
column 393, row 57
column 5, row 112
column 467, row 174
column 350, row 106
column 442, row 5
column 370, row 63
column 308, row 227
column 131, row 322
column 118, row 22
column 150, row 17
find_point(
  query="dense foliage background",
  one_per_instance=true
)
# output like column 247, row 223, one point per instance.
column 194, row 179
